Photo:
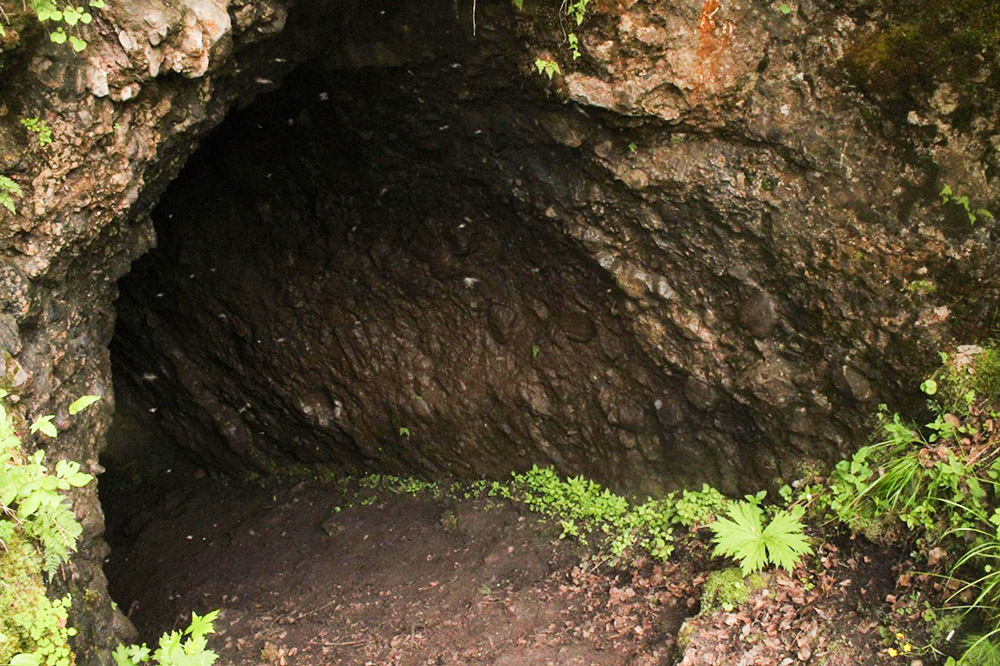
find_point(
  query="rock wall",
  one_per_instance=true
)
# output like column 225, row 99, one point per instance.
column 720, row 227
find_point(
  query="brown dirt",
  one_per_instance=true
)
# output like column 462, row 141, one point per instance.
column 402, row 580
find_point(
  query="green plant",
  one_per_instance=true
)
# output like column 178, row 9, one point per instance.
column 948, row 196
column 174, row 649
column 37, row 532
column 547, row 67
column 922, row 287
column 40, row 128
column 743, row 537
column 65, row 16
column 8, row 190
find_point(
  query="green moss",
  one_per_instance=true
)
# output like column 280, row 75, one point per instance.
column 30, row 622
column 922, row 43
column 727, row 589
column 986, row 377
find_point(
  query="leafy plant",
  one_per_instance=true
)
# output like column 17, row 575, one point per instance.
column 37, row 532
column 948, row 196
column 743, row 537
column 65, row 16
column 8, row 190
column 174, row 649
column 547, row 67
column 40, row 128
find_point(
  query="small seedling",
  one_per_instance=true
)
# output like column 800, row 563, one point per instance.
column 948, row 196
column 404, row 432
column 547, row 67
column 40, row 128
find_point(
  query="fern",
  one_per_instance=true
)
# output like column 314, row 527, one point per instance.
column 8, row 190
column 743, row 537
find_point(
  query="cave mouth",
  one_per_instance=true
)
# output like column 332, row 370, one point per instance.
column 357, row 270
column 353, row 275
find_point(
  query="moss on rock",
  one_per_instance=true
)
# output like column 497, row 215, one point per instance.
column 727, row 589
column 922, row 43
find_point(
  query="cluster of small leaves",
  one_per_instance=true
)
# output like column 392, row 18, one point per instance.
column 33, row 627
column 576, row 12
column 65, row 17
column 937, row 479
column 174, row 649
column 40, row 128
column 29, row 494
column 397, row 485
column 948, row 196
column 549, row 68
column 585, row 508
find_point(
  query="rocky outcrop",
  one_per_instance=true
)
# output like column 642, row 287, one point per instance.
column 704, row 252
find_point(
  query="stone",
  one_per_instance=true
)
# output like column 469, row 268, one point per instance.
column 700, row 394
column 759, row 315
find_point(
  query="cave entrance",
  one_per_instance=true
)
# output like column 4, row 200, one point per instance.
column 359, row 272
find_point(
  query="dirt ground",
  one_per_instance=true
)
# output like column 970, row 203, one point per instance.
column 309, row 573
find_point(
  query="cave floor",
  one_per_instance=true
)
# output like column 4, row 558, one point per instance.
column 315, row 573
column 401, row 580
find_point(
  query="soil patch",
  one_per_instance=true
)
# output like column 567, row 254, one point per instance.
column 402, row 580
column 317, row 573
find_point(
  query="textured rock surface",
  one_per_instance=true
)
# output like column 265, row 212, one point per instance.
column 734, row 227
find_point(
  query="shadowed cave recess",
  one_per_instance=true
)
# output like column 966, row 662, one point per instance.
column 342, row 277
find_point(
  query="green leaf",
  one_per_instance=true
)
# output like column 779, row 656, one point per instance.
column 24, row 659
column 929, row 386
column 86, row 18
column 742, row 536
column 7, row 494
column 82, row 403
column 59, row 37
column 44, row 425
column 785, row 9
column 77, row 43
column 519, row 4
column 97, row 4
column 29, row 505
column 201, row 625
